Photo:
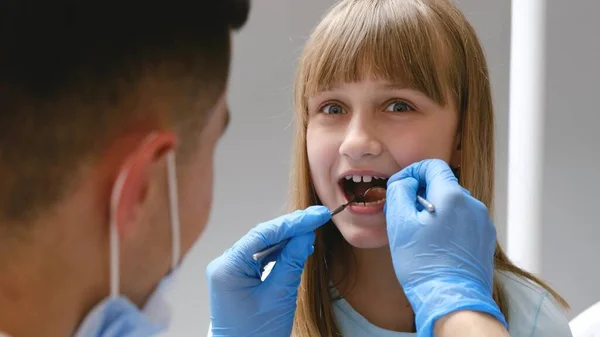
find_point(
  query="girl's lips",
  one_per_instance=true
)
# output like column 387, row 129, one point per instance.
column 360, row 208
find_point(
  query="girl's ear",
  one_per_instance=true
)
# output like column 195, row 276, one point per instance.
column 456, row 159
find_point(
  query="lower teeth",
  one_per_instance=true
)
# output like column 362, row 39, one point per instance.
column 371, row 203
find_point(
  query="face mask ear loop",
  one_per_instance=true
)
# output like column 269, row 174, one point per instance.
column 114, row 235
column 174, row 209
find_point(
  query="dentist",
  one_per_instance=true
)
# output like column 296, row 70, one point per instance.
column 109, row 116
column 110, row 113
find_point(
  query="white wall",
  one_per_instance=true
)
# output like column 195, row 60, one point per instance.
column 571, row 245
column 491, row 20
column 253, row 158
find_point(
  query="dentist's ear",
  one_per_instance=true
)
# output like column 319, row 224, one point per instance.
column 130, row 188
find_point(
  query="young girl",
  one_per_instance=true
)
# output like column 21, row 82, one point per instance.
column 383, row 84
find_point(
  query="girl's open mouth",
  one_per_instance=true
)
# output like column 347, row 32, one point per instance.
column 354, row 185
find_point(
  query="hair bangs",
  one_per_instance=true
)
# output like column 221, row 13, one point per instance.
column 390, row 41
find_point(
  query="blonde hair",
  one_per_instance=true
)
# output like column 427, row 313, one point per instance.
column 427, row 45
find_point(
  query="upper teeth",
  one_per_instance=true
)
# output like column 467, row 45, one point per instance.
column 365, row 179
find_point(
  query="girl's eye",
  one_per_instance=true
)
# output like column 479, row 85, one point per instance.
column 332, row 109
column 399, row 106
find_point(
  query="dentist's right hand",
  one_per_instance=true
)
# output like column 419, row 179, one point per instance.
column 243, row 305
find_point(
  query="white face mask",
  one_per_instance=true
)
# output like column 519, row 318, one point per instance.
column 116, row 315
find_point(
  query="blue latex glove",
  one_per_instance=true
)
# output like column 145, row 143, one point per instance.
column 240, row 303
column 443, row 260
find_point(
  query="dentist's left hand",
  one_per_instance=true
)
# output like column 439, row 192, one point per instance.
column 243, row 305
column 443, row 260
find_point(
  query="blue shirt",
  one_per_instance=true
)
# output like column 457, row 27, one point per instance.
column 532, row 312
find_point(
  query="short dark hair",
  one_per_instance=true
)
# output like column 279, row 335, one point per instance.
column 67, row 65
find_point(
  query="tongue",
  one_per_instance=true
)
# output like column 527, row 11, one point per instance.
column 375, row 194
column 361, row 188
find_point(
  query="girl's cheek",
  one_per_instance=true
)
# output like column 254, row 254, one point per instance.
column 410, row 147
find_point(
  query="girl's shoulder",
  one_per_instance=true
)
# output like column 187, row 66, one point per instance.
column 532, row 311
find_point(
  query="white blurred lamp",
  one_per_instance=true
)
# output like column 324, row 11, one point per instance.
column 587, row 323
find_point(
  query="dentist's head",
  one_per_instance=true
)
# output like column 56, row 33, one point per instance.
column 109, row 117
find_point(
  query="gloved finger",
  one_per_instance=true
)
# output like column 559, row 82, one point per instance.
column 442, row 187
column 426, row 172
column 237, row 262
column 400, row 209
column 402, row 195
column 232, row 271
column 284, row 227
column 289, row 266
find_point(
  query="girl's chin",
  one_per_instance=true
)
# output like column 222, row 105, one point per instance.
column 365, row 237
